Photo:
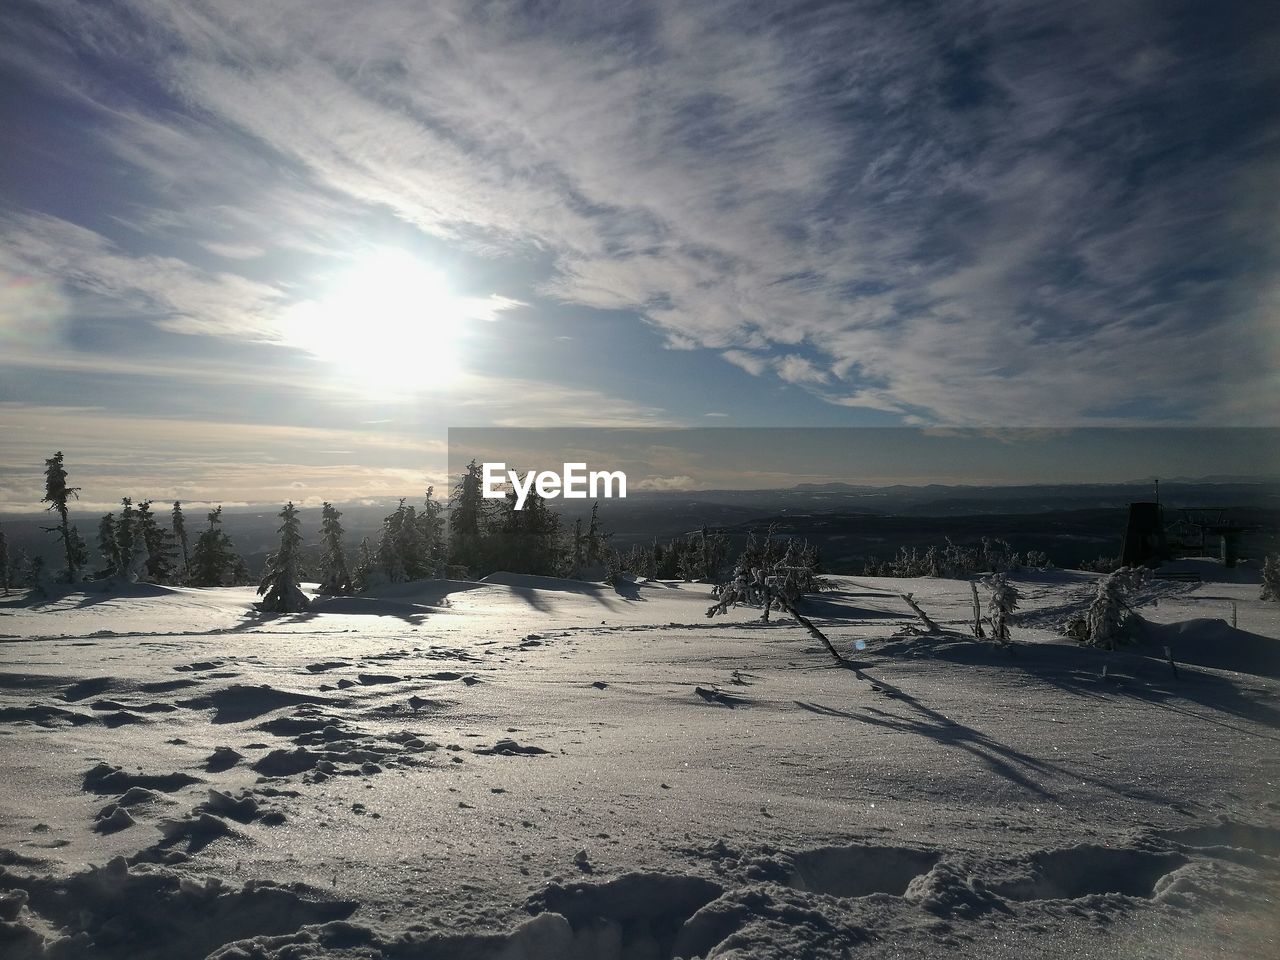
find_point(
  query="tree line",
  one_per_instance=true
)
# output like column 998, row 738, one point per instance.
column 135, row 544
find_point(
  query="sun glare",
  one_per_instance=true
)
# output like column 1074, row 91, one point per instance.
column 389, row 321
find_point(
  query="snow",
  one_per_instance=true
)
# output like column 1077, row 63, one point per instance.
column 535, row 768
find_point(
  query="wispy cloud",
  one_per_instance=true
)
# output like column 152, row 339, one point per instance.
column 961, row 213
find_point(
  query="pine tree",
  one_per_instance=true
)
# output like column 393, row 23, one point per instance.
column 279, row 587
column 388, row 562
column 213, row 560
column 136, row 570
column 362, row 576
column 159, row 544
column 597, row 540
column 126, row 531
column 1271, row 577
column 56, row 494
column 576, row 549
column 5, row 574
column 180, row 537
column 109, row 545
column 430, row 522
column 467, row 517
column 334, row 577
column 34, row 576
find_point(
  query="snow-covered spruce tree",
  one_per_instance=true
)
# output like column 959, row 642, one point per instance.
column 576, row 553
column 279, row 587
column 35, row 577
column 431, row 525
column 526, row 540
column 467, row 520
column 109, row 546
column 1271, row 577
column 596, row 544
column 1110, row 621
column 335, row 579
column 388, row 562
column 57, row 494
column 136, row 569
column 126, row 530
column 712, row 553
column 159, row 544
column 180, row 538
column 213, row 559
column 1000, row 606
column 362, row 575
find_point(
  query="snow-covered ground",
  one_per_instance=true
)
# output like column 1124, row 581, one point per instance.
column 529, row 768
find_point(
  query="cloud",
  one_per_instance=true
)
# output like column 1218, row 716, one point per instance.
column 667, row 483
column 175, row 294
column 111, row 455
column 796, row 369
column 749, row 362
column 969, row 213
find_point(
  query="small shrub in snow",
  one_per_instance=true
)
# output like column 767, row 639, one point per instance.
column 990, row 555
column 1038, row 560
column 1101, row 565
column 770, row 574
column 1003, row 601
column 1110, row 621
column 1271, row 577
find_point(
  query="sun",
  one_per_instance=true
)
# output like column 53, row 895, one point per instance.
column 389, row 321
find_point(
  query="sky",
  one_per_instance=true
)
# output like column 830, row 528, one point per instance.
column 259, row 251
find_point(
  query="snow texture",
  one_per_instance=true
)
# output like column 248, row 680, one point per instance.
column 553, row 769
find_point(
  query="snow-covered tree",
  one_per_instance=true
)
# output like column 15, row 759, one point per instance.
column 363, row 576
column 430, row 522
column 214, row 562
column 126, row 530
column 139, row 562
column 1000, row 606
column 527, row 540
column 1271, row 577
column 35, row 577
column 334, row 576
column 57, row 494
column 394, row 543
column 180, row 538
column 1110, row 621
column 159, row 545
column 1038, row 560
column 109, row 546
column 279, row 587
column 771, row 574
column 596, row 543
column 577, row 552
column 467, row 519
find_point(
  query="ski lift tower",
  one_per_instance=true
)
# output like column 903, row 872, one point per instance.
column 1214, row 521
